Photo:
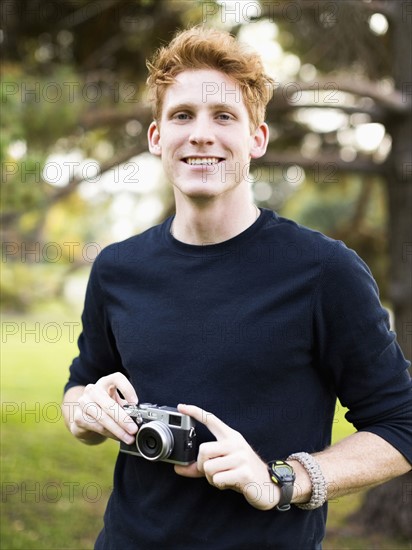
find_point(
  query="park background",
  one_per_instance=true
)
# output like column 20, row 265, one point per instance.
column 76, row 176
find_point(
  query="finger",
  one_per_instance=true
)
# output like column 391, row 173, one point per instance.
column 188, row 471
column 219, row 464
column 118, row 381
column 90, row 424
column 93, row 418
column 115, row 430
column 96, row 395
column 212, row 450
column 226, row 480
column 216, row 426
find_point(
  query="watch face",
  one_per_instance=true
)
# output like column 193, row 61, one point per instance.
column 283, row 472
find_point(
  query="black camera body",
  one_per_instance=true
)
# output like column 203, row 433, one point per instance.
column 164, row 435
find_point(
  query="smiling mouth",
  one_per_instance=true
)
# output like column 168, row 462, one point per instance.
column 202, row 161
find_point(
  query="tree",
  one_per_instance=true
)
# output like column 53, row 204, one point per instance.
column 67, row 91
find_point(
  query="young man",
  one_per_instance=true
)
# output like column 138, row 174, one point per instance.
column 242, row 313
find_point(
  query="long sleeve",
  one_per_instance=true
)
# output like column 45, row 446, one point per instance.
column 358, row 352
column 98, row 355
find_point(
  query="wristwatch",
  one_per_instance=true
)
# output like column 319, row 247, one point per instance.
column 283, row 476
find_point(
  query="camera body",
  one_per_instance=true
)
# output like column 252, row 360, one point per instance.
column 164, row 435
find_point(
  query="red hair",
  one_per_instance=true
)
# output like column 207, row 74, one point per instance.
column 201, row 48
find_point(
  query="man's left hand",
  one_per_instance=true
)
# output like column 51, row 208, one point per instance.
column 230, row 462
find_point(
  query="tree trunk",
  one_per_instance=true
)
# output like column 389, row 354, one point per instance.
column 388, row 508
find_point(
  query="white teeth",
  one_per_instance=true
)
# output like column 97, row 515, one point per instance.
column 204, row 161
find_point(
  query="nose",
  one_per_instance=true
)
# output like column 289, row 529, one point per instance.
column 202, row 132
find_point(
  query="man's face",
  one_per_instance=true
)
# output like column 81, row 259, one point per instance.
column 204, row 137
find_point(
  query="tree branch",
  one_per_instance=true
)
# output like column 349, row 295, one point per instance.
column 376, row 113
column 275, row 10
column 394, row 101
column 95, row 118
column 124, row 156
column 330, row 163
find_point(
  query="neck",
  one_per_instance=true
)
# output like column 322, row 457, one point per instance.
column 211, row 223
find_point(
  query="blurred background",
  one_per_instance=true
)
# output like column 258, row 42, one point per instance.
column 76, row 176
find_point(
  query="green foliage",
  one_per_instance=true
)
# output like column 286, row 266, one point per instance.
column 40, row 108
column 41, row 114
column 351, row 209
column 53, row 476
column 35, row 115
column 23, row 188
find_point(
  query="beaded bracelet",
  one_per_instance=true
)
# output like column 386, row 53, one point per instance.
column 319, row 488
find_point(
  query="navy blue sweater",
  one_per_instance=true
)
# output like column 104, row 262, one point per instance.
column 265, row 330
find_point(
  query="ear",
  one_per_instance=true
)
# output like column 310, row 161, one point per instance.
column 153, row 137
column 259, row 141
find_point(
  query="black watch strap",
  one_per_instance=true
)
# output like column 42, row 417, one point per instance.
column 283, row 476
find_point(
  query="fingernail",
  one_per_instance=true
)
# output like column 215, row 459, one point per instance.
column 128, row 439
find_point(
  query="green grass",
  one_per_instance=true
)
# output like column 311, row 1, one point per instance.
column 54, row 489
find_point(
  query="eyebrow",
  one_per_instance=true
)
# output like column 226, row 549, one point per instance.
column 187, row 106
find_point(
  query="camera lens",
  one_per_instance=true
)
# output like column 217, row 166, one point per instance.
column 151, row 442
column 155, row 440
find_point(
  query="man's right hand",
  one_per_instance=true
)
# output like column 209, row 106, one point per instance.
column 94, row 412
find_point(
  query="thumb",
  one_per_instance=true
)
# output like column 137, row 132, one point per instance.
column 188, row 471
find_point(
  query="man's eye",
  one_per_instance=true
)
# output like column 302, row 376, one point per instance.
column 181, row 116
column 224, row 116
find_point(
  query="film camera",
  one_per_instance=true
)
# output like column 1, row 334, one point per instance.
column 164, row 434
